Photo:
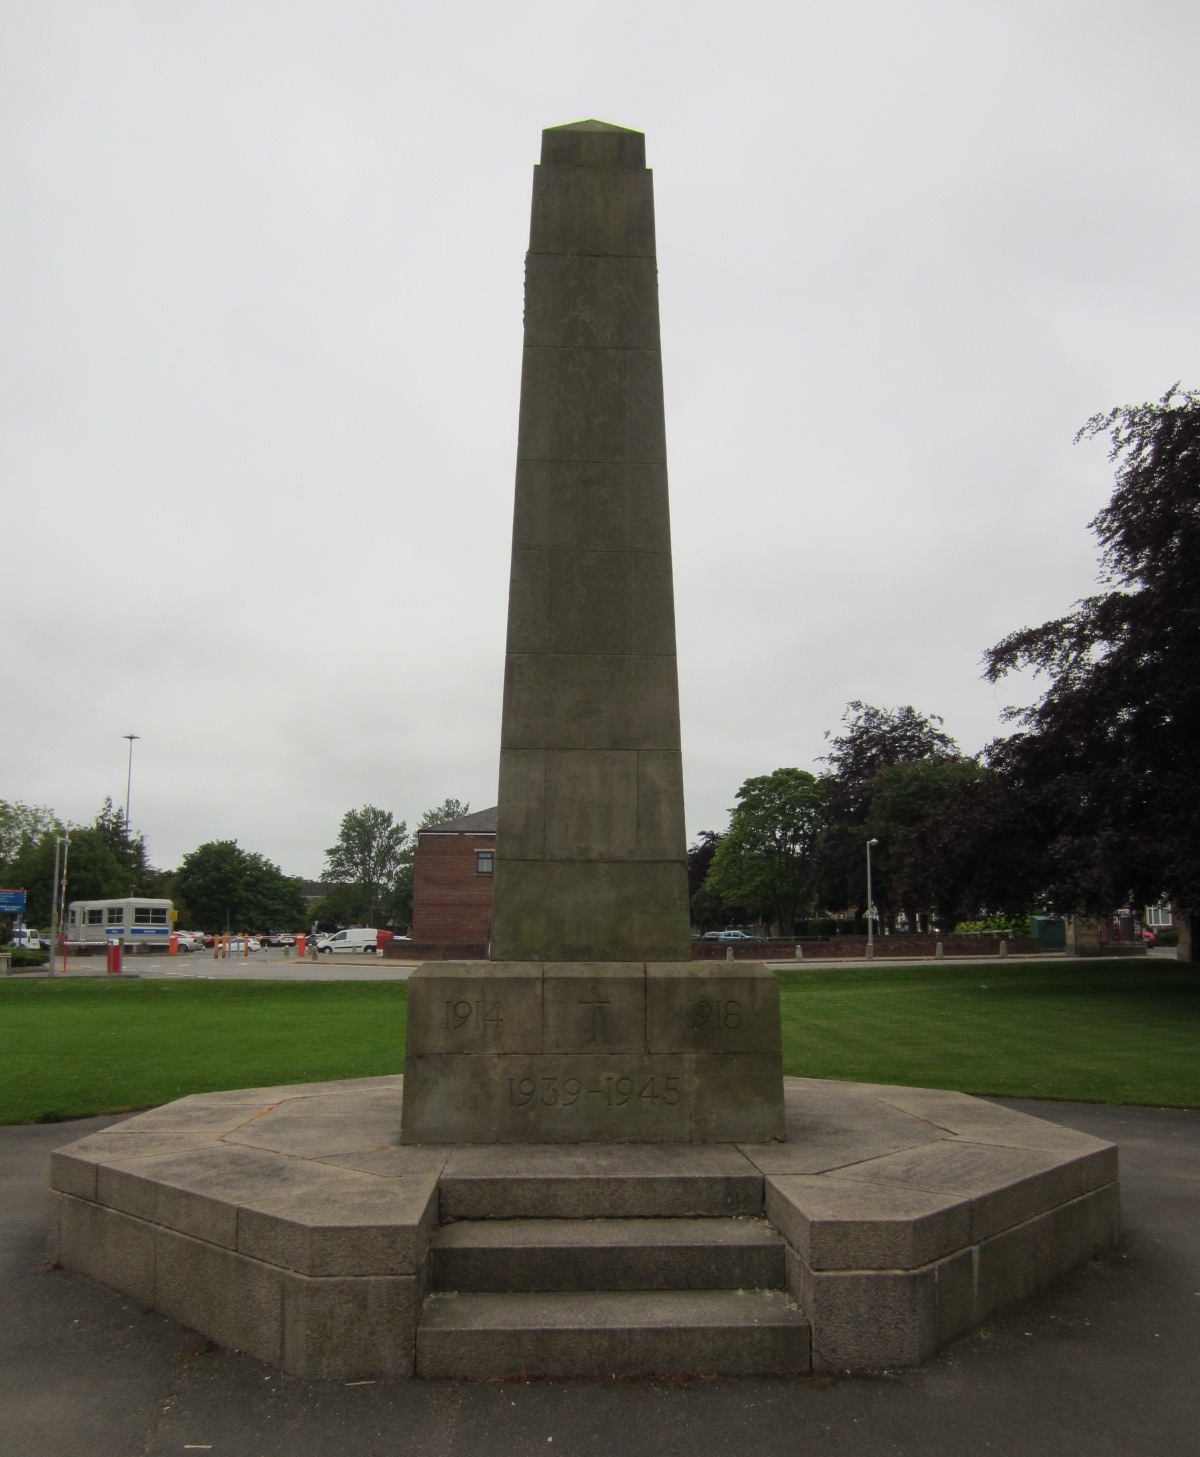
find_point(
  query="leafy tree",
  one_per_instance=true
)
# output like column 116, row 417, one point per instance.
column 225, row 885
column 368, row 863
column 93, row 872
column 449, row 809
column 903, row 800
column 128, row 850
column 21, row 825
column 709, row 910
column 874, row 741
column 1106, row 759
column 765, row 861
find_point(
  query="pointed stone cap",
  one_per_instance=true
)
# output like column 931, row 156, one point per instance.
column 593, row 144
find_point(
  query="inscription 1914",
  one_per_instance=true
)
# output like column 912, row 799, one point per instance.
column 479, row 1015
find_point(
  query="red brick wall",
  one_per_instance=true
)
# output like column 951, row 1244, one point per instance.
column 451, row 901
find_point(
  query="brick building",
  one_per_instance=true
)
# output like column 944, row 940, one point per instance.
column 452, row 880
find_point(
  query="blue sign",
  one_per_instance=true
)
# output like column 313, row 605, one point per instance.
column 12, row 902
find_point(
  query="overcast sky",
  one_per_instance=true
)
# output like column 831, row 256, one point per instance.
column 261, row 274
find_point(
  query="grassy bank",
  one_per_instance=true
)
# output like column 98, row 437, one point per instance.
column 1110, row 1032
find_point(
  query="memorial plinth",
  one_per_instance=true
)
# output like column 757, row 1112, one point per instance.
column 591, row 1024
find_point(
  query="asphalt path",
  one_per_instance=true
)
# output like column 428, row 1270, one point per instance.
column 1103, row 1365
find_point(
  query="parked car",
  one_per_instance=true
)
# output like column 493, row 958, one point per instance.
column 1148, row 936
column 360, row 939
column 730, row 936
column 27, row 939
column 239, row 944
column 279, row 938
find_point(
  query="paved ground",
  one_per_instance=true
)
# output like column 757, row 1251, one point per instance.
column 1104, row 1364
column 273, row 964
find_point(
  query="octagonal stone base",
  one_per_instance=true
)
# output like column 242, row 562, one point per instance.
column 292, row 1224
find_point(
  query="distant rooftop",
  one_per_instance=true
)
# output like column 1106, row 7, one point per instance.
column 482, row 822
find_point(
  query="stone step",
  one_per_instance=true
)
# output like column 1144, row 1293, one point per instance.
column 611, row 1333
column 607, row 1254
column 630, row 1181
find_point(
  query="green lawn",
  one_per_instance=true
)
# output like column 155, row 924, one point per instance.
column 1111, row 1032
column 70, row 1048
column 1095, row 1031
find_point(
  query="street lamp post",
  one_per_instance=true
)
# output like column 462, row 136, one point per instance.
column 129, row 777
column 870, row 903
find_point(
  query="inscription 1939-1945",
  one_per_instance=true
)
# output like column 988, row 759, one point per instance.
column 613, row 1090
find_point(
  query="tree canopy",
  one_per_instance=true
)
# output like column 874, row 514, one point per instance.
column 372, row 853
column 1105, row 762
column 226, row 886
column 891, row 770
column 765, row 861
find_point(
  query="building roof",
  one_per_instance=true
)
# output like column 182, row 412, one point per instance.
column 482, row 822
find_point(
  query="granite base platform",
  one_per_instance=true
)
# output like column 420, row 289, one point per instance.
column 291, row 1224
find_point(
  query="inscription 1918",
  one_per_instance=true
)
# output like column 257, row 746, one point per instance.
column 722, row 1015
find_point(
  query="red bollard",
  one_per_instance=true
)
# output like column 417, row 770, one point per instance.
column 173, row 945
column 300, row 945
column 113, row 966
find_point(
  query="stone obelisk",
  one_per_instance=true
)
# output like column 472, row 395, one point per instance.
column 590, row 850
column 591, row 1022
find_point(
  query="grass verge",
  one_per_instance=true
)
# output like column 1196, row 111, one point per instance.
column 1091, row 1031
column 71, row 1048
column 1107, row 1032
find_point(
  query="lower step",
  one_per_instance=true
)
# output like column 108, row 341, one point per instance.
column 607, row 1254
column 612, row 1333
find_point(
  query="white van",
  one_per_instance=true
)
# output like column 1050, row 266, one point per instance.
column 362, row 939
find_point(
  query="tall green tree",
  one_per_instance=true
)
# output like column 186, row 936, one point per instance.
column 1106, row 759
column 228, row 887
column 765, row 862
column 368, row 863
column 872, row 742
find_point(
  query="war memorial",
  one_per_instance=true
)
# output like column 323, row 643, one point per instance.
column 592, row 1164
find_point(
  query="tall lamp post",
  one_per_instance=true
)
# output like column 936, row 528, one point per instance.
column 870, row 903
column 129, row 777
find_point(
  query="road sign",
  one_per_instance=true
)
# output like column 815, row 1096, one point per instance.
column 12, row 902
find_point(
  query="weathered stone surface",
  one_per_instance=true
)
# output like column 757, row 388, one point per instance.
column 588, row 701
column 731, row 1008
column 607, row 1254
column 332, row 1245
column 235, row 1301
column 570, row 906
column 839, row 1224
column 573, row 1182
column 473, row 1007
column 590, row 676
column 1005, row 1186
column 606, row 1333
column 617, row 1052
column 339, row 1329
column 107, row 1246
column 594, row 1008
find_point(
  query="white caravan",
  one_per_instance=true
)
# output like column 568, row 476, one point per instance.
column 135, row 921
